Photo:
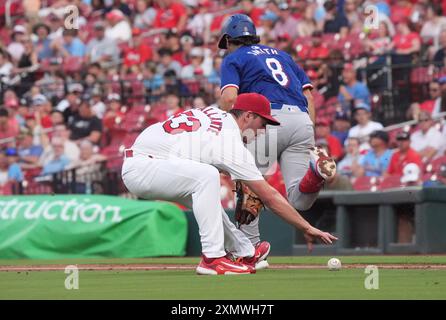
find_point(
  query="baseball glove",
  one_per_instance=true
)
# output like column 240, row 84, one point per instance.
column 248, row 204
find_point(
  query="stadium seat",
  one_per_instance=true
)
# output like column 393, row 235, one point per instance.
column 356, row 47
column 129, row 139
column 7, row 189
column 134, row 88
column 158, row 112
column 30, row 174
column 191, row 87
column 114, row 84
column 276, row 181
column 114, row 154
column 429, row 177
column 376, row 101
column 366, row 184
column 139, row 110
column 436, row 163
column 318, row 99
column 72, row 64
column 133, row 123
column 393, row 181
column 433, row 166
column 420, row 75
column 33, row 187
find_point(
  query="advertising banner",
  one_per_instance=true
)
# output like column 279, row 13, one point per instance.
column 89, row 226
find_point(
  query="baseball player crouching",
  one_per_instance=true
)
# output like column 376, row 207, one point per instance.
column 179, row 160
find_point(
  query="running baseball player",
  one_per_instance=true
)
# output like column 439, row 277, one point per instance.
column 251, row 67
column 179, row 160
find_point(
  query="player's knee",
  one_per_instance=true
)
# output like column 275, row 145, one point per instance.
column 299, row 202
column 302, row 206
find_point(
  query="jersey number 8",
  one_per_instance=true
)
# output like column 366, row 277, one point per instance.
column 277, row 71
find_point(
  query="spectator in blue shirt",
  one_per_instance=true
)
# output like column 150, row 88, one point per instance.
column 28, row 152
column 9, row 169
column 352, row 90
column 341, row 126
column 376, row 160
column 14, row 171
column 152, row 81
column 69, row 45
column 42, row 44
column 59, row 161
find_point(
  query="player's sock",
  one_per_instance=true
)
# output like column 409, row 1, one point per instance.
column 311, row 182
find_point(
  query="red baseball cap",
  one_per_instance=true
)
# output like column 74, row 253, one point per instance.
column 115, row 15
column 255, row 103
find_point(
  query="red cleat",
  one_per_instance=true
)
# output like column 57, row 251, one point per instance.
column 258, row 261
column 222, row 266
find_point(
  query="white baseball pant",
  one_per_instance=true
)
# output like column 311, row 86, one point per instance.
column 295, row 136
column 195, row 185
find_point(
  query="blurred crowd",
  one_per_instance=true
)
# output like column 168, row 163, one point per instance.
column 78, row 85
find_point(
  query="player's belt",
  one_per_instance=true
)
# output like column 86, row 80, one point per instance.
column 129, row 153
column 287, row 107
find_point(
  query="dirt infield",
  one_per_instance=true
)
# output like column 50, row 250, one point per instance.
column 176, row 267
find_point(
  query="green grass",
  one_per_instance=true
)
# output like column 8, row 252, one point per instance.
column 266, row 284
column 322, row 260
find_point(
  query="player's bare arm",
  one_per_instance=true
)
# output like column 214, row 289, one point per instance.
column 280, row 206
column 311, row 110
column 228, row 97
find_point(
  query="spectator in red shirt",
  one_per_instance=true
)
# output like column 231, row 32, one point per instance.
column 174, row 44
column 406, row 41
column 252, row 11
column 43, row 107
column 432, row 105
column 403, row 156
column 405, row 44
column 138, row 52
column 172, row 14
column 323, row 132
column 318, row 51
column 400, row 11
column 114, row 116
column 6, row 129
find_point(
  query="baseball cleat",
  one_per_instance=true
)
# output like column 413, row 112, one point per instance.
column 258, row 261
column 262, row 265
column 222, row 266
column 322, row 164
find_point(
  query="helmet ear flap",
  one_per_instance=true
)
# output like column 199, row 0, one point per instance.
column 223, row 43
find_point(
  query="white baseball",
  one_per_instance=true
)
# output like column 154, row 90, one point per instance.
column 334, row 264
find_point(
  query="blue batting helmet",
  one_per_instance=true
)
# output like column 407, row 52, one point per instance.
column 238, row 25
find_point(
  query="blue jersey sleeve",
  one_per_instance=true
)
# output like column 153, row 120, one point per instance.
column 230, row 76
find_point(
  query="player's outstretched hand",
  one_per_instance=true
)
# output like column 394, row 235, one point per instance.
column 312, row 234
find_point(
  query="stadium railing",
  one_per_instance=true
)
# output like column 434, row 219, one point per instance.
column 91, row 179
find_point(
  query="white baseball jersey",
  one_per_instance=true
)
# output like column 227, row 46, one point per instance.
column 207, row 135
